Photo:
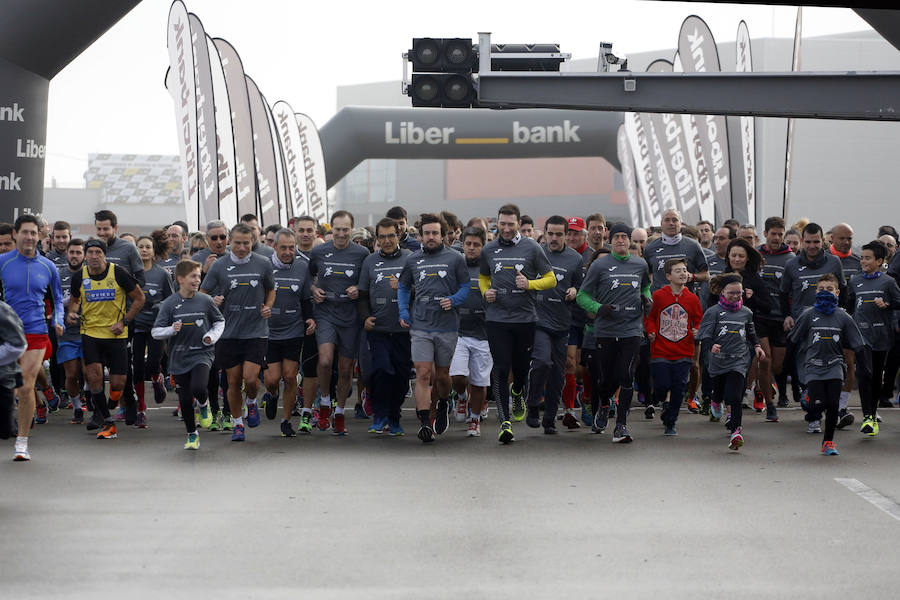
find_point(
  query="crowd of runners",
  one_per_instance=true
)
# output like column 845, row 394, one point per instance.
column 566, row 327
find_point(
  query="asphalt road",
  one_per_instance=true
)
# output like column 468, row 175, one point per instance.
column 368, row 516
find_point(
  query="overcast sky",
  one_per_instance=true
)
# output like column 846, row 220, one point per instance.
column 112, row 98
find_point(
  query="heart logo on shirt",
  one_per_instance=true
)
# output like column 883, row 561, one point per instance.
column 295, row 287
column 254, row 282
column 152, row 292
column 778, row 274
column 442, row 274
column 559, row 276
column 634, row 284
column 519, row 267
column 199, row 322
column 349, row 272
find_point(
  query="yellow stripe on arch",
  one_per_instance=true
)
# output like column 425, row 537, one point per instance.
column 482, row 140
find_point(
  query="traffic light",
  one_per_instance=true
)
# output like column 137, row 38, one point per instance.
column 442, row 72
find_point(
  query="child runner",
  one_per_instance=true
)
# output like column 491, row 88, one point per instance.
column 671, row 325
column 820, row 335
column 872, row 296
column 728, row 332
column 194, row 324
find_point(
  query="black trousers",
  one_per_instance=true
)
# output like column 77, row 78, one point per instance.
column 191, row 385
column 389, row 377
column 511, row 345
column 870, row 386
column 618, row 360
column 728, row 388
column 547, row 375
column 825, row 395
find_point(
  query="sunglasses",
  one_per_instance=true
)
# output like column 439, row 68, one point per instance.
column 217, row 238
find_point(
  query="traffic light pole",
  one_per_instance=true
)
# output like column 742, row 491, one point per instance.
column 869, row 96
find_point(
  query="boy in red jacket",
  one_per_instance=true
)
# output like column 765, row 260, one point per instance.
column 671, row 326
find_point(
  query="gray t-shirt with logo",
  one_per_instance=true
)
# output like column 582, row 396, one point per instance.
column 197, row 315
column 821, row 340
column 619, row 283
column 502, row 261
column 772, row 272
column 554, row 312
column 376, row 276
column 875, row 324
column 157, row 287
column 435, row 276
column 657, row 253
column 291, row 288
column 471, row 312
column 244, row 287
column 800, row 279
column 735, row 332
column 335, row 270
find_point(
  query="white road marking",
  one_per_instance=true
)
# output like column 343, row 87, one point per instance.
column 871, row 496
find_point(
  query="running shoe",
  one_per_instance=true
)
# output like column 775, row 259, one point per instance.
column 518, row 403
column 305, row 425
column 367, row 403
column 474, row 428
column 228, row 423
column 270, row 404
column 77, row 417
column 217, row 422
column 65, row 403
column 206, row 417
column 21, row 452
column 506, row 433
column 621, row 435
column 771, row 414
column 141, row 421
column 238, row 435
column 782, row 402
column 845, row 418
column 533, row 417
column 715, row 412
column 737, row 440
column 587, row 416
column 693, row 406
column 649, row 412
column 670, row 430
column 119, row 415
column 108, row 432
column 41, row 413
column 95, row 422
column 340, row 426
column 613, row 406
column 759, row 401
column 52, row 399
column 570, row 420
column 252, row 414
column 704, row 406
column 600, row 420
column 169, row 382
column 869, row 427
column 814, row 427
column 159, row 388
column 550, row 428
column 193, row 442
column 394, row 427
column 829, row 449
column 804, row 400
column 426, row 433
column 441, row 418
column 359, row 412
column 287, row 430
column 378, row 425
column 462, row 407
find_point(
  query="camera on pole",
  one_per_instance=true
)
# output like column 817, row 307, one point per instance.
column 445, row 70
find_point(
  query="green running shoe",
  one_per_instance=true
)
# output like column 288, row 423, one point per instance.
column 518, row 404
column 506, row 433
column 206, row 417
column 217, row 422
column 305, row 425
column 193, row 442
column 227, row 423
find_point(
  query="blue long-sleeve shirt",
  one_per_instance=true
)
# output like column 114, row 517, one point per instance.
column 26, row 282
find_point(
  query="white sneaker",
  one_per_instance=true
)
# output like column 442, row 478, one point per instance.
column 814, row 427
column 474, row 428
column 462, row 408
column 22, row 451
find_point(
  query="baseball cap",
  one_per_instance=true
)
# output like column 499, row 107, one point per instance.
column 576, row 224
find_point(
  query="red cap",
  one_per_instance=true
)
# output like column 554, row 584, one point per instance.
column 576, row 224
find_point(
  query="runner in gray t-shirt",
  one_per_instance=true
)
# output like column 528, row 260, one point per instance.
column 192, row 323
column 291, row 320
column 673, row 245
column 513, row 269
column 243, row 286
column 336, row 265
column 441, row 283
